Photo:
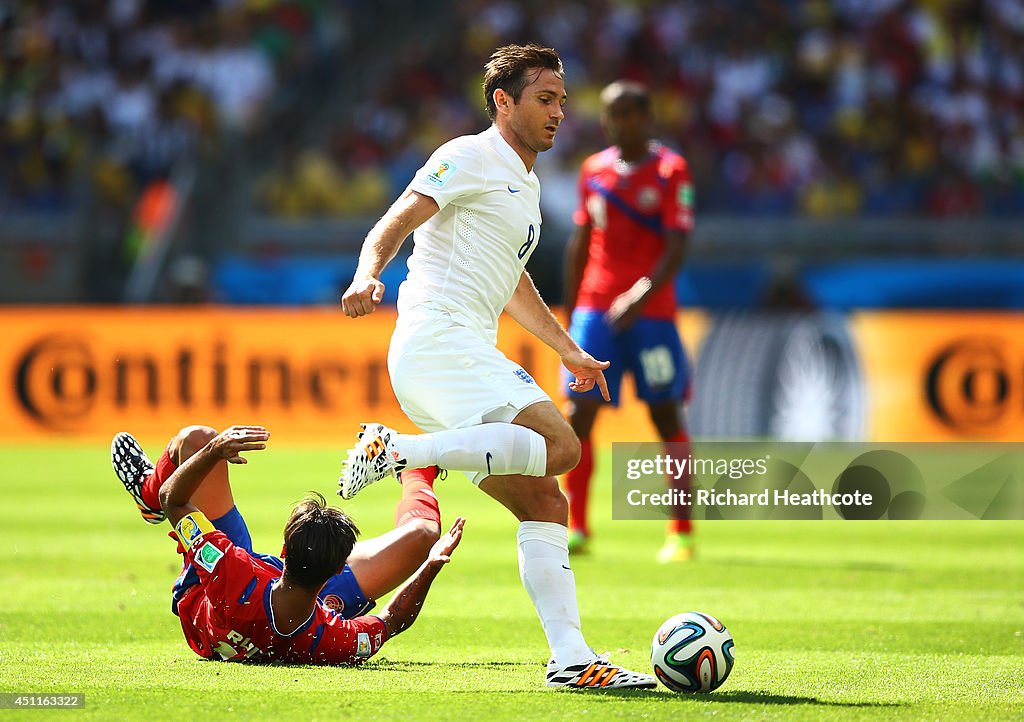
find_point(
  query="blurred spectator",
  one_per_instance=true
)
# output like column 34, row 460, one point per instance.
column 310, row 182
column 954, row 194
column 816, row 107
column 824, row 108
column 117, row 92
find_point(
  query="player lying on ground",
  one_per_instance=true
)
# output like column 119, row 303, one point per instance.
column 474, row 209
column 308, row 607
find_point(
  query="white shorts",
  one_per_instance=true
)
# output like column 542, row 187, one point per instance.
column 447, row 377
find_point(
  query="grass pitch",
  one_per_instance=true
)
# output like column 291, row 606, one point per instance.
column 832, row 620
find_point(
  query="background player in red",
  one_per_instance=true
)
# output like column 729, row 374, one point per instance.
column 632, row 225
column 236, row 604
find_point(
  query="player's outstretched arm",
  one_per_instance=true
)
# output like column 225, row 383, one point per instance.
column 405, row 606
column 176, row 493
column 404, row 216
column 529, row 310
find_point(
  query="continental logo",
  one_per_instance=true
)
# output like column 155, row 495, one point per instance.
column 974, row 385
column 63, row 380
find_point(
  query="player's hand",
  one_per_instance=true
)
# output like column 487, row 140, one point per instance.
column 626, row 307
column 441, row 552
column 587, row 372
column 362, row 297
column 622, row 314
column 230, row 443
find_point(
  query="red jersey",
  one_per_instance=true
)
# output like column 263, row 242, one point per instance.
column 629, row 208
column 228, row 614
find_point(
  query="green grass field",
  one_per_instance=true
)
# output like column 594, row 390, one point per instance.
column 832, row 620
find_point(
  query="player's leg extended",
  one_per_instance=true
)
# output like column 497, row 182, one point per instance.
column 467, row 413
column 668, row 419
column 582, row 414
column 543, row 542
column 382, row 563
column 491, row 448
column 542, row 444
column 549, row 581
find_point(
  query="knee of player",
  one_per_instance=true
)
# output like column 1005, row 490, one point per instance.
column 563, row 453
column 550, row 503
column 190, row 440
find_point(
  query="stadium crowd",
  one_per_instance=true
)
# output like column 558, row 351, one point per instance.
column 114, row 92
column 819, row 108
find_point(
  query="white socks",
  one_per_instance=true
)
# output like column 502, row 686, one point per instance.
column 544, row 569
column 498, row 448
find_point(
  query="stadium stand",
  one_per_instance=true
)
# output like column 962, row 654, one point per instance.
column 820, row 109
column 176, row 151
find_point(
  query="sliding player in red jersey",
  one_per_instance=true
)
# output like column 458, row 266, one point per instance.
column 632, row 225
column 309, row 606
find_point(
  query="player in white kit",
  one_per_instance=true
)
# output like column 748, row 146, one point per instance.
column 475, row 210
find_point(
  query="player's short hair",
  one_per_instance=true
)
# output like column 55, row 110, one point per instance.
column 509, row 68
column 317, row 540
column 629, row 90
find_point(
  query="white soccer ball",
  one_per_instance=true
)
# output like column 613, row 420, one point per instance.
column 692, row 652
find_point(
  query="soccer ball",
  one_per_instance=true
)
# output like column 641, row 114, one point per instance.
column 692, row 652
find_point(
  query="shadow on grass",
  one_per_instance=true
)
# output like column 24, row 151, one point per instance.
column 387, row 664
column 729, row 697
column 732, row 696
column 743, row 697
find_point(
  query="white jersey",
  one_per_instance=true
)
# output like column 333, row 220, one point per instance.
column 468, row 258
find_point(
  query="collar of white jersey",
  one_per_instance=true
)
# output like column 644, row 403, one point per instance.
column 494, row 136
